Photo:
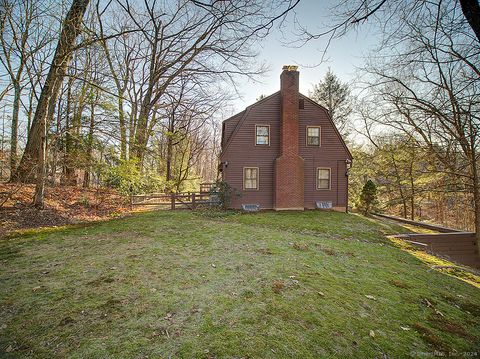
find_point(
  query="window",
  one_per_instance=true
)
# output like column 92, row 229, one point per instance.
column 262, row 135
column 323, row 178
column 313, row 136
column 250, row 178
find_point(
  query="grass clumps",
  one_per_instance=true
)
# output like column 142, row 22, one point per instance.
column 278, row 286
column 300, row 246
column 399, row 284
column 430, row 338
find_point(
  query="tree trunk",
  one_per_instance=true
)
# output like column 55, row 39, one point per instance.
column 142, row 133
column 73, row 137
column 404, row 203
column 67, row 136
column 477, row 214
column 412, row 200
column 169, row 159
column 412, row 192
column 48, row 96
column 56, row 145
column 120, row 93
column 2, row 142
column 141, row 136
column 412, row 208
column 86, row 178
column 14, row 129
column 123, row 129
column 38, row 199
column 476, row 199
column 400, row 187
column 171, row 128
column 30, row 112
column 471, row 11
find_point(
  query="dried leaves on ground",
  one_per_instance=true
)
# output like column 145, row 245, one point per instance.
column 63, row 205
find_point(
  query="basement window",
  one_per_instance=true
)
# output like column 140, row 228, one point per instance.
column 313, row 135
column 323, row 178
column 262, row 135
column 250, row 178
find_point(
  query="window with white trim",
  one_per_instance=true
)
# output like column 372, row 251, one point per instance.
column 323, row 178
column 262, row 135
column 250, row 178
column 313, row 135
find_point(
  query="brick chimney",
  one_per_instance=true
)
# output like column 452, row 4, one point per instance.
column 289, row 172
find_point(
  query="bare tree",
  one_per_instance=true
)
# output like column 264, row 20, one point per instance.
column 210, row 41
column 347, row 15
column 119, row 56
column 22, row 35
column 48, row 96
column 186, row 129
column 136, row 70
column 429, row 88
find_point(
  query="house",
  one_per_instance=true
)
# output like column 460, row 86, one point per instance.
column 284, row 153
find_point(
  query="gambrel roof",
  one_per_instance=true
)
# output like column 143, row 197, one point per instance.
column 238, row 119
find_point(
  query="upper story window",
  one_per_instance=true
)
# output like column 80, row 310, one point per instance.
column 323, row 178
column 250, row 178
column 262, row 135
column 313, row 135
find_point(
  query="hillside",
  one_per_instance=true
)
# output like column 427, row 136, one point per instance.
column 187, row 284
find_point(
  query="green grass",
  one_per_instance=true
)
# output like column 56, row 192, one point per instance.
column 227, row 285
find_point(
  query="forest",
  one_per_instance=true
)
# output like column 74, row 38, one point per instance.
column 129, row 95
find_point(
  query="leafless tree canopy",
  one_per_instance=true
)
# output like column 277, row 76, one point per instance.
column 93, row 85
column 424, row 80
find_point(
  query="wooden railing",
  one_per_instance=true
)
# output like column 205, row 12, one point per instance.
column 431, row 226
column 189, row 200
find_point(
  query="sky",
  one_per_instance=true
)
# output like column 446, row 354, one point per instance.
column 342, row 57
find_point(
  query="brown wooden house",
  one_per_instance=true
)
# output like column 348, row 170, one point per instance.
column 284, row 153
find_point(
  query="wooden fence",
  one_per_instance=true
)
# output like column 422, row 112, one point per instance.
column 189, row 200
column 434, row 227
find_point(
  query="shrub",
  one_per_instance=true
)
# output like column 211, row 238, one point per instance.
column 84, row 202
column 224, row 192
column 368, row 197
column 127, row 178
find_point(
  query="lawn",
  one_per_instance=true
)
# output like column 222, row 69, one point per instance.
column 188, row 284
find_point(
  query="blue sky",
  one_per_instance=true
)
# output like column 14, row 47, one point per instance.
column 343, row 55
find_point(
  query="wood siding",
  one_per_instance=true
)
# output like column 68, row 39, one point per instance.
column 240, row 151
column 330, row 154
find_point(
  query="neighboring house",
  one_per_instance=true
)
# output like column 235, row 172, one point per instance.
column 285, row 153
